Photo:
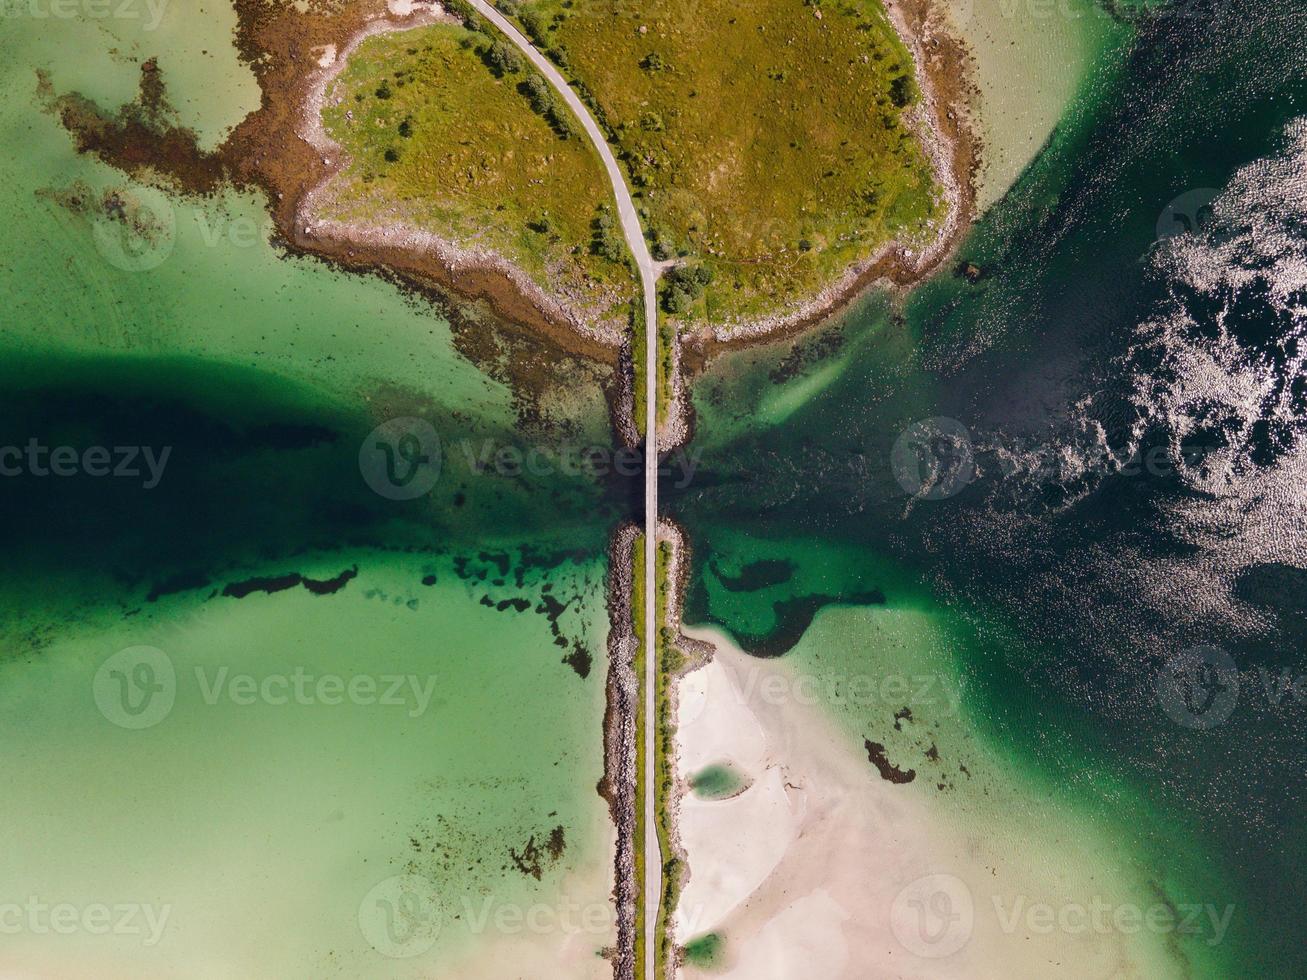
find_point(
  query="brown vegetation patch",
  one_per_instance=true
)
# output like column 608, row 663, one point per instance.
column 277, row 42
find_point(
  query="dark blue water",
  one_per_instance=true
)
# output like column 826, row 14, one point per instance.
column 1101, row 460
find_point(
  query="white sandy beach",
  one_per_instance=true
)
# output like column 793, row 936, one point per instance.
column 822, row 869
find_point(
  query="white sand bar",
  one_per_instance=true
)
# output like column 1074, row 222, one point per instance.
column 822, row 869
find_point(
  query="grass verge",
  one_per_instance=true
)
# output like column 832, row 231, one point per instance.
column 670, row 663
column 638, row 665
column 639, row 371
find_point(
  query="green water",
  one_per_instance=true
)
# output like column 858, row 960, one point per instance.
column 275, row 838
column 718, row 782
column 262, row 820
column 706, row 951
column 267, row 834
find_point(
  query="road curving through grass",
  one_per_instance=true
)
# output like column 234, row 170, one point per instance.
column 634, row 234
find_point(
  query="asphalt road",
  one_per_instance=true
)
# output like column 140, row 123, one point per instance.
column 649, row 270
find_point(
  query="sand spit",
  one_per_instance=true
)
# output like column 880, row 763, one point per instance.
column 823, row 869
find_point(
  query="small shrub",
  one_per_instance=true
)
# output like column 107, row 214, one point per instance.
column 503, row 58
column 685, row 284
column 464, row 11
column 900, row 91
column 677, row 300
column 605, row 240
column 532, row 23
column 541, row 96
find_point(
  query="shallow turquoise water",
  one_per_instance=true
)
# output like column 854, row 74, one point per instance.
column 256, row 816
column 267, row 834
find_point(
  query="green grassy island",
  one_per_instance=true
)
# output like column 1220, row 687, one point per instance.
column 766, row 143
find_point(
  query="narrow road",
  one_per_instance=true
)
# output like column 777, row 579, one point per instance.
column 653, row 863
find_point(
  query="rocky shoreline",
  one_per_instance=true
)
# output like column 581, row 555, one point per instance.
column 277, row 45
column 943, row 123
column 296, row 54
column 293, row 53
column 618, row 784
